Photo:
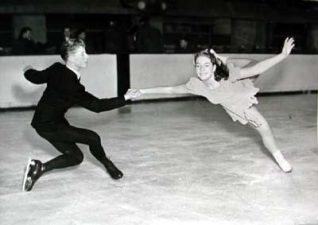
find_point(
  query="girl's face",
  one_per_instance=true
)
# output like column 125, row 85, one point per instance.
column 204, row 68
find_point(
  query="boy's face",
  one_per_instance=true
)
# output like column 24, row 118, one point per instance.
column 78, row 57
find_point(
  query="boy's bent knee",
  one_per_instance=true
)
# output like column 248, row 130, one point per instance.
column 75, row 158
column 94, row 138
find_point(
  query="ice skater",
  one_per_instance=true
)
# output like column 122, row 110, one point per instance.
column 231, row 87
column 64, row 90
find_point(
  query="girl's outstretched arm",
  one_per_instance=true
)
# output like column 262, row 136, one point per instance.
column 181, row 89
column 268, row 63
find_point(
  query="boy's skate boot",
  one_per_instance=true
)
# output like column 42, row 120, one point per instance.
column 33, row 171
column 113, row 171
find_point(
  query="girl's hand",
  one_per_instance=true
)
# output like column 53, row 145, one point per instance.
column 288, row 46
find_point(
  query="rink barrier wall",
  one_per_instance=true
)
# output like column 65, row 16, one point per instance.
column 299, row 73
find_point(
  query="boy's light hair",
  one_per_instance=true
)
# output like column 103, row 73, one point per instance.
column 69, row 46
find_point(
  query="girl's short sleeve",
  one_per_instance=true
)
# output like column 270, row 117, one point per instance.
column 234, row 72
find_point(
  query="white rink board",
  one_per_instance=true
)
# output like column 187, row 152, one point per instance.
column 99, row 78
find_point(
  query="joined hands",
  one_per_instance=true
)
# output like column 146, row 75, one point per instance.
column 132, row 94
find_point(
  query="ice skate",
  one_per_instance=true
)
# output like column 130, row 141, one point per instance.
column 282, row 162
column 32, row 174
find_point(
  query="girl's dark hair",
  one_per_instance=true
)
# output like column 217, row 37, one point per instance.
column 221, row 71
column 70, row 46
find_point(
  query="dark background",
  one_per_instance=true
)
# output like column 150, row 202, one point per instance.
column 229, row 26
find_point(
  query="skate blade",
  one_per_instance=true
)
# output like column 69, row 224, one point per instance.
column 27, row 169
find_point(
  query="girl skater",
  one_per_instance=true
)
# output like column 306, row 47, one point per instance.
column 230, row 87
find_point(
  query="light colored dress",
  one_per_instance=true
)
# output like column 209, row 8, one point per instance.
column 235, row 97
